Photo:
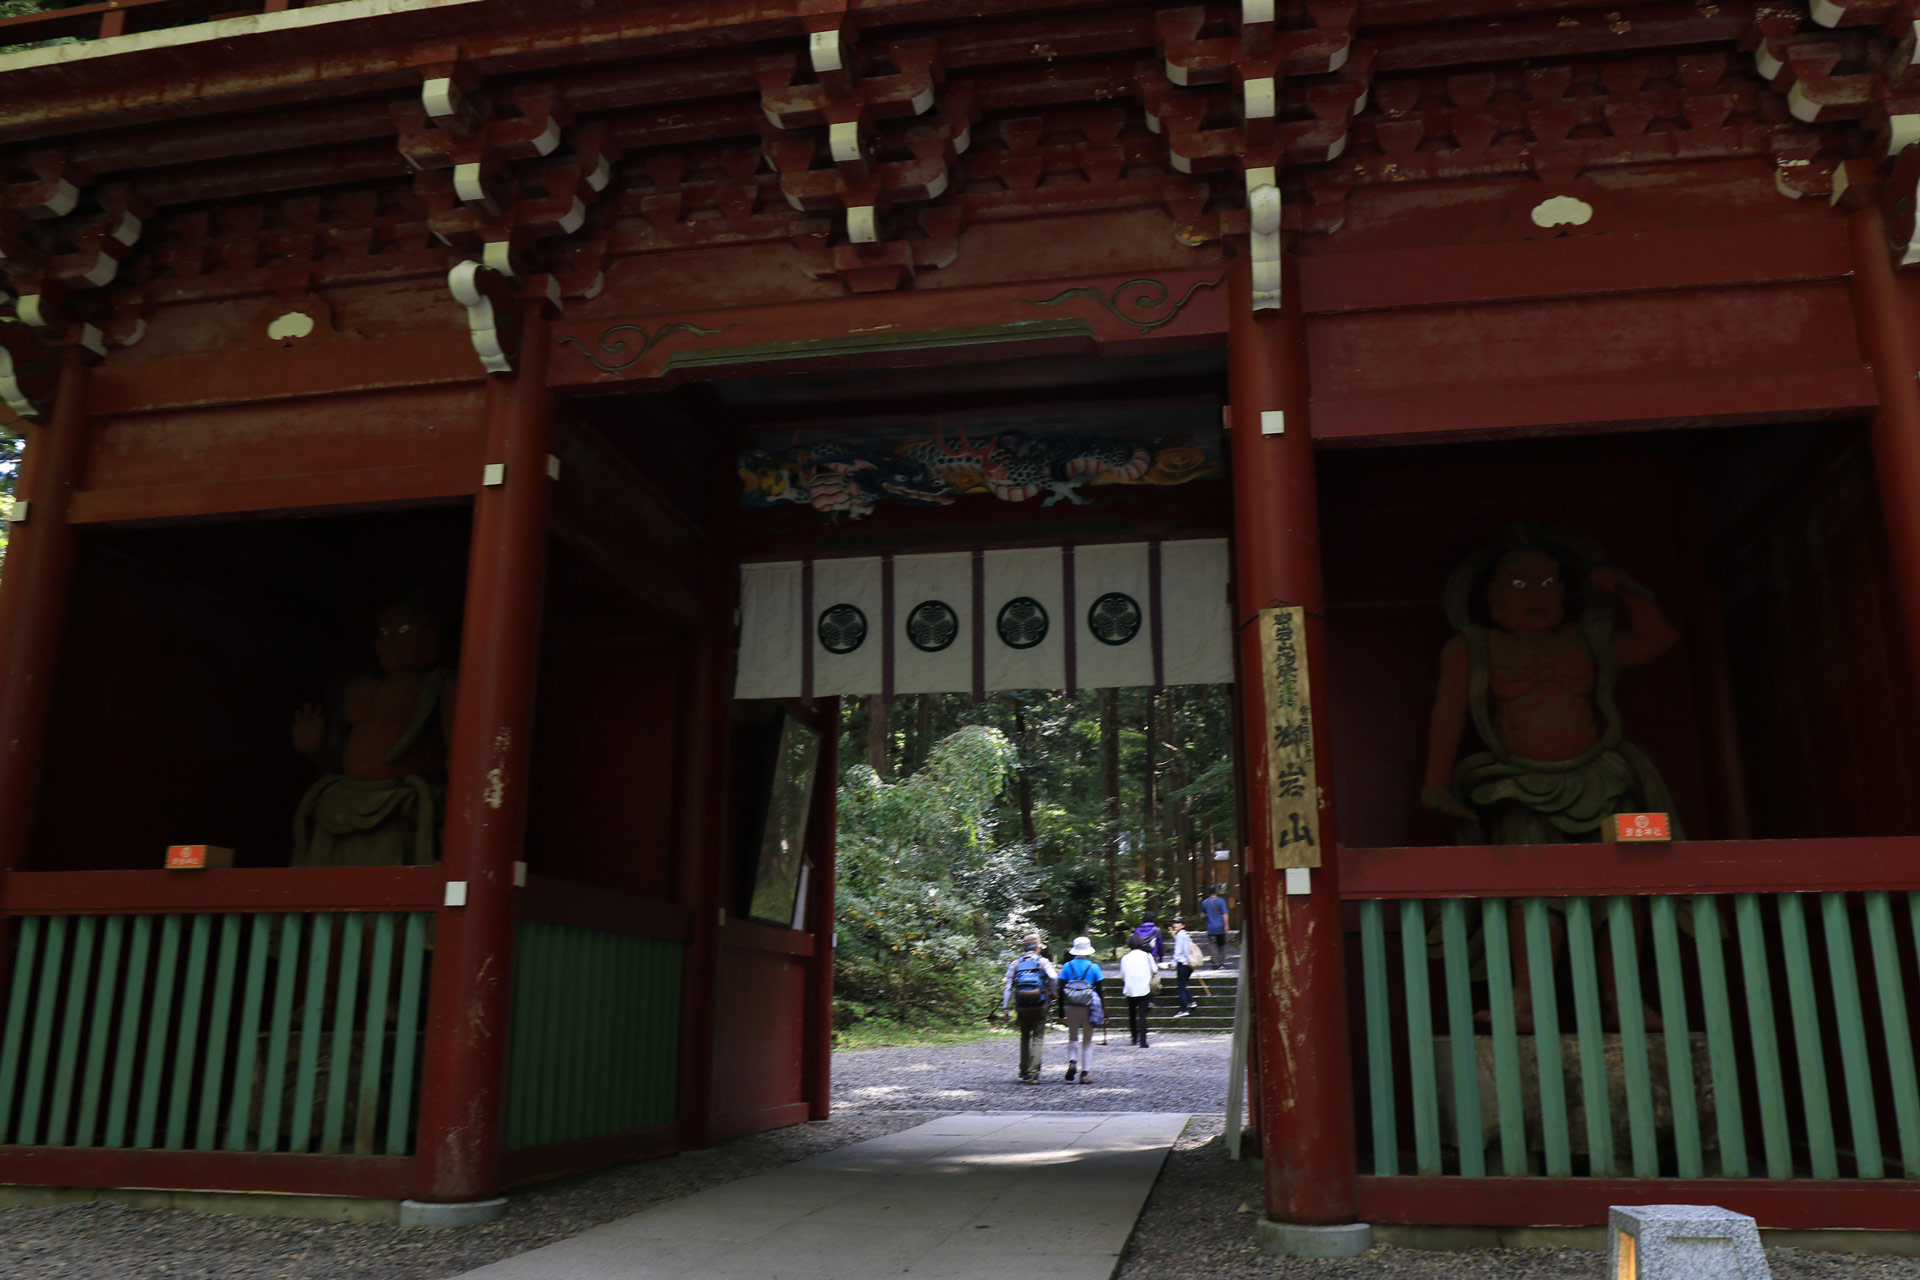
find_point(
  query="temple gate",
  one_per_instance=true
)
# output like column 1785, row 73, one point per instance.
column 545, row 321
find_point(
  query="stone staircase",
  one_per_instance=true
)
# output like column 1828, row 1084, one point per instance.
column 1214, row 988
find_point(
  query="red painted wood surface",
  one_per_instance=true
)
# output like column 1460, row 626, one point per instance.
column 758, row 1038
column 371, row 1177
column 238, row 889
column 530, row 1164
column 34, row 592
column 1586, row 870
column 1888, row 1205
column 594, row 907
column 462, row 1089
column 751, row 935
column 1307, row 1133
column 267, row 373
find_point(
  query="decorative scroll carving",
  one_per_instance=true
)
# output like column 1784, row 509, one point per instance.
column 612, row 346
column 1151, row 295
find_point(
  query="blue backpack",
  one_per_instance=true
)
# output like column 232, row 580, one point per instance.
column 1029, row 983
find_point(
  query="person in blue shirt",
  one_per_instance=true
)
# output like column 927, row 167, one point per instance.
column 1030, row 987
column 1080, row 980
column 1215, row 907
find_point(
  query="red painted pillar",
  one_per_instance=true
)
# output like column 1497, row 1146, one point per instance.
column 34, row 593
column 822, row 825
column 1883, row 304
column 706, row 843
column 461, row 1094
column 1299, row 984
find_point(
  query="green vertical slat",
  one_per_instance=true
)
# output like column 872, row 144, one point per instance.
column 1546, row 1041
column 66, row 1074
column 1506, row 1040
column 340, row 1064
column 159, row 1027
column 1373, row 969
column 1850, row 1017
column 1717, row 1013
column 1634, row 1064
column 406, row 1035
column 13, row 1041
column 214, row 1072
column 126, row 1044
column 1426, row 1099
column 39, row 1047
column 1769, row 1087
column 520, row 1040
column 544, row 1081
column 379, row 978
column 180, row 1098
column 273, row 1080
column 247, row 1057
column 307, row 1072
column 1460, row 1039
column 1893, row 1017
column 1806, row 1036
column 634, row 1079
column 1593, row 1048
column 578, row 1012
column 1673, row 1012
column 670, row 1033
column 106, row 992
column 600, row 991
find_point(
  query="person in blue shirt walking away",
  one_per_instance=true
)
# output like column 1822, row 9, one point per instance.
column 1080, row 980
column 1215, row 907
column 1029, row 991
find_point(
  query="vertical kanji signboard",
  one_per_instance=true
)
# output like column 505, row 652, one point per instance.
column 1293, row 797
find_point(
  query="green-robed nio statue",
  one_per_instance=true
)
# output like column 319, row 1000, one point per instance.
column 1538, row 689
column 381, row 805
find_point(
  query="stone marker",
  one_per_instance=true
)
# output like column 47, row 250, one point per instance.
column 1683, row 1242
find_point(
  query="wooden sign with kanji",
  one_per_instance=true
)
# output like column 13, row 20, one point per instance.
column 1293, row 794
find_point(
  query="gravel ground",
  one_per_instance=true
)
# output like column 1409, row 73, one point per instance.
column 1198, row 1222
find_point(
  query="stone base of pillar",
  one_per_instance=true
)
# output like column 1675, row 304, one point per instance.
column 475, row 1213
column 1292, row 1240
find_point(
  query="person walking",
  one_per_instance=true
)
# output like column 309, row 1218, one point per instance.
column 1148, row 934
column 1136, row 983
column 1080, row 980
column 1186, row 958
column 1029, row 990
column 1215, row 908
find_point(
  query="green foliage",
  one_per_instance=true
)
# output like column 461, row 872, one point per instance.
column 928, row 896
column 10, row 449
column 994, row 819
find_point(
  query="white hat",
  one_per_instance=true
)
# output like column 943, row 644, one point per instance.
column 1080, row 947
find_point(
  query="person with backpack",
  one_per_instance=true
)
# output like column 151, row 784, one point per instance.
column 1030, row 988
column 1080, row 980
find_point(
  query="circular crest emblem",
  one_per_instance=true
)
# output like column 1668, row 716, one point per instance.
column 932, row 626
column 1022, row 623
column 1114, row 618
column 842, row 628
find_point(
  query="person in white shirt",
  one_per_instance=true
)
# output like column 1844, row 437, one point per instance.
column 1186, row 958
column 1136, row 983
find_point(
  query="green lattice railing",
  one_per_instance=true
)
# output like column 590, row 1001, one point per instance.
column 287, row 1032
column 595, row 1039
column 1734, row 1086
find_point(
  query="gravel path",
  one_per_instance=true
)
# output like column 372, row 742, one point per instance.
column 1198, row 1222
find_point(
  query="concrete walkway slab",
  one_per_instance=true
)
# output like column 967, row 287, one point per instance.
column 957, row 1198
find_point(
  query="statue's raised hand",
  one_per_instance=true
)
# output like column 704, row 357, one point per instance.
column 309, row 729
column 1441, row 801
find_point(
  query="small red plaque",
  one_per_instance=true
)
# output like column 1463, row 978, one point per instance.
column 197, row 857
column 1638, row 828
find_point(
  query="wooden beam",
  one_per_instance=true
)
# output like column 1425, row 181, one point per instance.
column 1691, row 866
column 1795, row 1204
column 369, row 1177
column 221, row 890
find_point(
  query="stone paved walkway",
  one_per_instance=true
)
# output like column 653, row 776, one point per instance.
column 958, row 1198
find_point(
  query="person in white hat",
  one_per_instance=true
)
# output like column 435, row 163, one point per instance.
column 1079, row 996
